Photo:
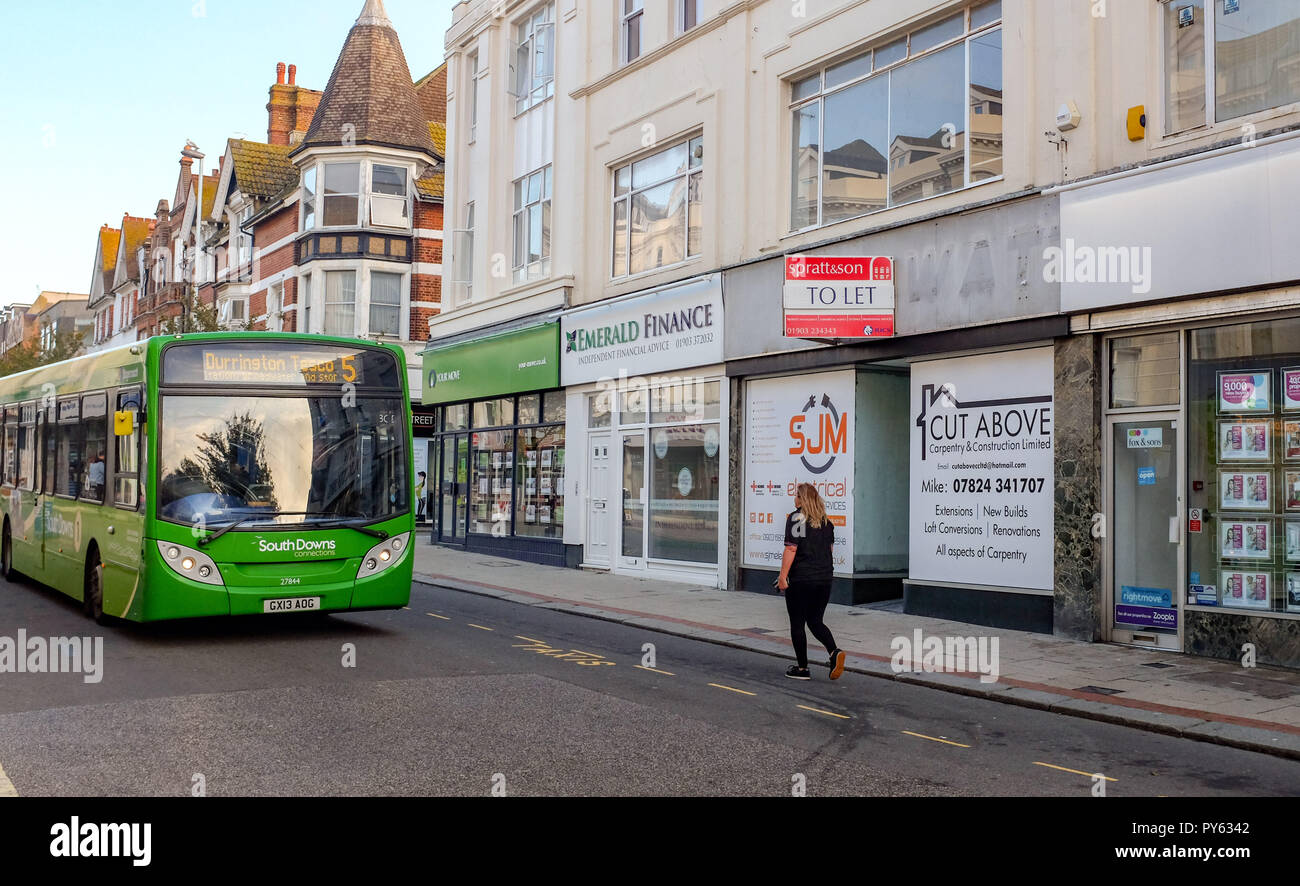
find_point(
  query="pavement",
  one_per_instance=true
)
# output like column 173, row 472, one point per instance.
column 1224, row 703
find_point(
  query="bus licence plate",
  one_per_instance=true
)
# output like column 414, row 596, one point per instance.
column 292, row 604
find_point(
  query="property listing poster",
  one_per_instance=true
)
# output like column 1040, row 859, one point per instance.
column 798, row 429
column 982, row 470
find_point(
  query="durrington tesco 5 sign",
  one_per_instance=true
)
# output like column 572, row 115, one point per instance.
column 835, row 296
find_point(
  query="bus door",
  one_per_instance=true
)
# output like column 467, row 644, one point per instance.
column 28, row 529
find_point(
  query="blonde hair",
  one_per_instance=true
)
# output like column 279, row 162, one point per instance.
column 808, row 500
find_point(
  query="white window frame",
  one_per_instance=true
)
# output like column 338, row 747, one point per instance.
column 310, row 198
column 631, row 10
column 390, row 200
column 275, row 307
column 358, row 220
column 818, row 98
column 462, row 259
column 1209, row 52
column 403, row 301
column 690, row 172
column 533, row 35
column 682, row 6
column 540, row 269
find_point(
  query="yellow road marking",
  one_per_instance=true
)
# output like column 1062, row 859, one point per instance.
column 655, row 670
column 7, row 788
column 480, row 627
column 436, row 615
column 592, row 654
column 820, row 711
column 732, row 689
column 940, row 740
column 1075, row 771
column 529, row 639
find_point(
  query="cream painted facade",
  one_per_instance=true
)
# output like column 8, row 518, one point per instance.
column 729, row 80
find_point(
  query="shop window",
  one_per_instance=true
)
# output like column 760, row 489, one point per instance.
column 492, row 491
column 684, row 481
column 530, row 409
column 455, row 418
column 553, row 406
column 1243, row 466
column 632, row 406
column 494, row 413
column 539, row 483
column 688, row 400
column 1144, row 370
column 598, row 409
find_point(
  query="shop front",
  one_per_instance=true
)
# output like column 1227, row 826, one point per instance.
column 1199, row 399
column 497, row 444
column 648, row 425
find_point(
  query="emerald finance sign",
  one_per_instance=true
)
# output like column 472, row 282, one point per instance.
column 837, row 296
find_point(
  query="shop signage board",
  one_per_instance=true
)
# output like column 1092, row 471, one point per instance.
column 835, row 296
column 982, row 470
column 798, row 429
column 520, row 360
column 661, row 332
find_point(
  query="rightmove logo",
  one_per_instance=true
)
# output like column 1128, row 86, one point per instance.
column 53, row 655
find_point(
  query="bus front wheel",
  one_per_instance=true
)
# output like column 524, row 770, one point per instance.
column 94, row 596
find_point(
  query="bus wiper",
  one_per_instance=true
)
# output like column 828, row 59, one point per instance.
column 213, row 536
column 352, row 524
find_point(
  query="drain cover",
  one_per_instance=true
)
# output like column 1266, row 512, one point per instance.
column 1099, row 690
column 1158, row 664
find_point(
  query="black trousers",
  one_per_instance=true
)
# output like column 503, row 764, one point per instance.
column 806, row 602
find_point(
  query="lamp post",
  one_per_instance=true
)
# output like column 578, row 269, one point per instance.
column 192, row 152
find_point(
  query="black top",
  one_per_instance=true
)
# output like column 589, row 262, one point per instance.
column 813, row 560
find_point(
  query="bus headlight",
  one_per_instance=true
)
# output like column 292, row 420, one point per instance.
column 190, row 563
column 384, row 554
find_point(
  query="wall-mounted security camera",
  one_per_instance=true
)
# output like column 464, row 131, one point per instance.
column 1067, row 117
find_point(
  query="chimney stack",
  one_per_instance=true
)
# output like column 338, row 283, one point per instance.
column 293, row 75
column 279, row 74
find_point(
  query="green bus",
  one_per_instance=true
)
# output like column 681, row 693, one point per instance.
column 212, row 474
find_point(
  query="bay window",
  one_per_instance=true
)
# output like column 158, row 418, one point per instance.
column 340, row 303
column 342, row 192
column 915, row 117
column 386, row 304
column 390, row 205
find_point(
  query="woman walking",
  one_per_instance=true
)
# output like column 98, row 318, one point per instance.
column 807, row 568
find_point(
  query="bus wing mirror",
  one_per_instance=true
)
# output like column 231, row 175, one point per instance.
column 123, row 424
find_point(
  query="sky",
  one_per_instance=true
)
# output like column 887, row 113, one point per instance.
column 97, row 98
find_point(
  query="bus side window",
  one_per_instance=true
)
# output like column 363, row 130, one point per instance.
column 26, row 446
column 71, row 441
column 126, row 472
column 51, row 444
column 95, row 418
column 11, row 446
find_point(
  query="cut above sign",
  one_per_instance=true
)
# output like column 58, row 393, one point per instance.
column 837, row 296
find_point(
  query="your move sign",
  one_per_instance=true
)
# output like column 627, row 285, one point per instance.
column 837, row 296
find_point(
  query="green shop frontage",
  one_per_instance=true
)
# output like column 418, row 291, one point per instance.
column 491, row 431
